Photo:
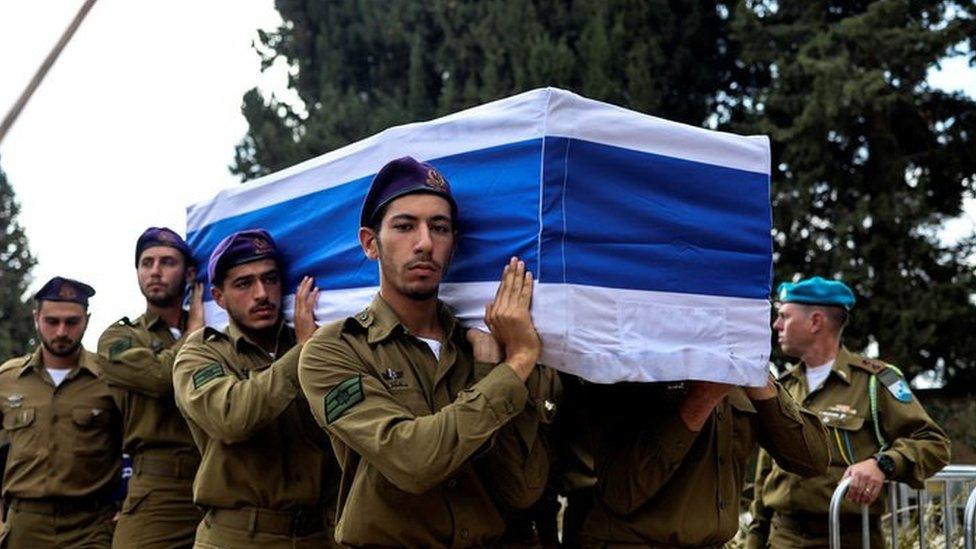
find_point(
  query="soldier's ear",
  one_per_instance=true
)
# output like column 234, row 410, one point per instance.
column 191, row 274
column 369, row 241
column 218, row 295
column 817, row 320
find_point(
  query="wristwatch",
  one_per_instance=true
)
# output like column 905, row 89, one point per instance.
column 886, row 464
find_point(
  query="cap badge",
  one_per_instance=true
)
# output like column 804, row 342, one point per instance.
column 66, row 291
column 165, row 237
column 435, row 180
column 261, row 246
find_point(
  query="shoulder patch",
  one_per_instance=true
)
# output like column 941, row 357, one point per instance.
column 872, row 365
column 121, row 345
column 342, row 397
column 207, row 374
column 895, row 384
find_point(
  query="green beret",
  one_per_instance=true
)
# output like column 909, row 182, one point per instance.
column 816, row 291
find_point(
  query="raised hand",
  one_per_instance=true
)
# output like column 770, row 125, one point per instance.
column 510, row 322
column 306, row 298
column 194, row 317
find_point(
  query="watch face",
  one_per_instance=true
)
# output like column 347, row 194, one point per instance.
column 886, row 464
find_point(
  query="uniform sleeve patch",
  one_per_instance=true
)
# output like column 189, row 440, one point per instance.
column 342, row 397
column 120, row 346
column 896, row 385
column 207, row 374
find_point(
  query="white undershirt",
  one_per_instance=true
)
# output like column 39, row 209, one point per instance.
column 58, row 375
column 817, row 376
column 435, row 346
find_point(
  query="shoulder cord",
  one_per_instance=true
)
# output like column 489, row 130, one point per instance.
column 873, row 397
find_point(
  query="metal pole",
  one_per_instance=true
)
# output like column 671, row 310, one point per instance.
column 11, row 117
column 834, row 513
column 969, row 520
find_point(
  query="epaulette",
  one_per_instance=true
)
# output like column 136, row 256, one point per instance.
column 364, row 318
column 871, row 365
column 124, row 321
column 212, row 334
column 13, row 363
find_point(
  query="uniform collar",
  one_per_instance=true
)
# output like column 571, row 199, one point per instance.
column 85, row 362
column 150, row 320
column 283, row 341
column 383, row 321
column 841, row 368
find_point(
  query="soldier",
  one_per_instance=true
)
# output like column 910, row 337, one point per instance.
column 670, row 459
column 437, row 430
column 267, row 477
column 64, row 429
column 877, row 430
column 138, row 359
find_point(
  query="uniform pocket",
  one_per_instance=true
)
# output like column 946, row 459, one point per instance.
column 90, row 434
column 18, row 418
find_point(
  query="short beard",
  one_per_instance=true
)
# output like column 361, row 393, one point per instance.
column 421, row 296
column 162, row 301
column 61, row 354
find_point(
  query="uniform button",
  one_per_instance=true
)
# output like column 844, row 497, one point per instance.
column 720, row 416
column 464, row 533
column 452, row 484
column 509, row 407
column 721, row 505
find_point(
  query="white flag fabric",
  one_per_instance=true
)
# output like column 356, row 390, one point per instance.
column 650, row 240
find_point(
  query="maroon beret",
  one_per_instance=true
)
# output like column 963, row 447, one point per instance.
column 401, row 177
column 240, row 248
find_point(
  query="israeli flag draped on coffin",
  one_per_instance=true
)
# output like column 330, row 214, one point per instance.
column 650, row 240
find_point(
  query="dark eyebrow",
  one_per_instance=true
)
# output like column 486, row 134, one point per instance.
column 404, row 217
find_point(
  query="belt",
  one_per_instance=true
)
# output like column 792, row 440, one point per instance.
column 814, row 525
column 295, row 522
column 169, row 467
column 60, row 505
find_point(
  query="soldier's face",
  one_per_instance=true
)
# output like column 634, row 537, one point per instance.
column 251, row 294
column 162, row 275
column 60, row 326
column 414, row 246
column 793, row 329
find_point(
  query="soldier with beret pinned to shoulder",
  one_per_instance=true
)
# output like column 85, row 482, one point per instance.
column 138, row 358
column 64, row 429
column 877, row 429
column 436, row 428
column 268, row 477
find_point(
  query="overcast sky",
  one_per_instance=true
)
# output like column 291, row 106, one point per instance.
column 137, row 120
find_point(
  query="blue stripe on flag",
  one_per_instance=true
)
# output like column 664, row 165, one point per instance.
column 650, row 222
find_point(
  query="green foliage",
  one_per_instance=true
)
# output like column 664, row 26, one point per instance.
column 362, row 66
column 868, row 162
column 16, row 261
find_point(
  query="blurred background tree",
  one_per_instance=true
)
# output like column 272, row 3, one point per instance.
column 16, row 324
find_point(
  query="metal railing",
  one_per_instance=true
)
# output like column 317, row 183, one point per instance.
column 899, row 503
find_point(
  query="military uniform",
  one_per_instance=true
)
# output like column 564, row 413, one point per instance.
column 65, row 455
column 660, row 484
column 434, row 452
column 138, row 359
column 267, row 477
column 792, row 511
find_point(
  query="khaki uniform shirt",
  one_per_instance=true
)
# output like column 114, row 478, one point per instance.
column 137, row 357
column 660, row 484
column 65, row 441
column 918, row 447
column 260, row 446
column 433, row 451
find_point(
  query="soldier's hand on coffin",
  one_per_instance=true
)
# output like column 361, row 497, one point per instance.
column 194, row 317
column 867, row 480
column 485, row 347
column 510, row 321
column 699, row 401
column 306, row 297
